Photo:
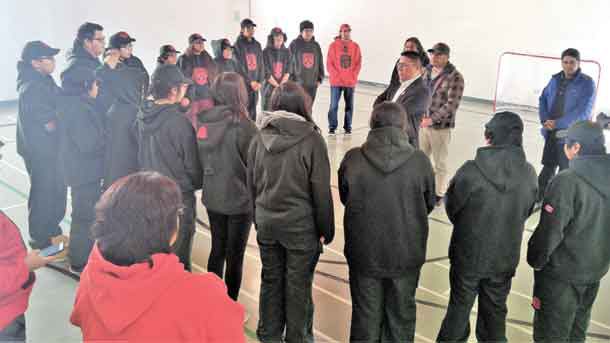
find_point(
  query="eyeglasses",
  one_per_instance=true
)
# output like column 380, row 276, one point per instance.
column 404, row 65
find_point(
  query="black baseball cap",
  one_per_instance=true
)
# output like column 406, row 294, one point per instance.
column 167, row 49
column 169, row 74
column 37, row 50
column 586, row 132
column 120, row 39
column 440, row 48
column 196, row 37
column 247, row 23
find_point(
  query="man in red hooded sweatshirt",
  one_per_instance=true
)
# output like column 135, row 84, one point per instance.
column 16, row 281
column 343, row 63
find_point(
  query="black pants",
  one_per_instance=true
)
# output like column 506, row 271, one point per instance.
column 492, row 292
column 564, row 313
column 553, row 157
column 184, row 242
column 252, row 103
column 266, row 96
column 46, row 201
column 312, row 91
column 285, row 297
column 15, row 331
column 383, row 309
column 84, row 198
column 229, row 239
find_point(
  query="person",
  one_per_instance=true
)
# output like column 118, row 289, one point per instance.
column 122, row 41
column 488, row 201
column 197, row 64
column 289, row 177
column 38, row 143
column 446, row 86
column 121, row 155
column 224, row 135
column 567, row 98
column 81, row 153
column 167, row 144
column 307, row 62
column 411, row 44
column 277, row 62
column 147, row 294
column 168, row 55
column 249, row 56
column 223, row 52
column 17, row 268
column 412, row 93
column 569, row 248
column 87, row 47
column 387, row 187
column 343, row 62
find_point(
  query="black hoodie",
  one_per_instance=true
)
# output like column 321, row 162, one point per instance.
column 277, row 64
column 224, row 65
column 167, row 144
column 306, row 62
column 83, row 140
column 249, row 57
column 289, row 176
column 488, row 201
column 37, row 134
column 387, row 187
column 122, row 145
column 223, row 140
column 572, row 240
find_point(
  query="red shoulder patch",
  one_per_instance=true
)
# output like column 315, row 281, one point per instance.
column 202, row 132
column 536, row 303
column 549, row 209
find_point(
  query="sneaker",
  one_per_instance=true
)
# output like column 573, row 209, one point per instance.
column 348, row 132
column 75, row 270
column 331, row 132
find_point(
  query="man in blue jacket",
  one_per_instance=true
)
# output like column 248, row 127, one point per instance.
column 568, row 98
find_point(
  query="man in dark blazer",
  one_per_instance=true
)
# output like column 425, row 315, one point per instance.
column 411, row 93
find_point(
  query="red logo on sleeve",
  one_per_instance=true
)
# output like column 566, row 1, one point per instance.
column 536, row 303
column 549, row 209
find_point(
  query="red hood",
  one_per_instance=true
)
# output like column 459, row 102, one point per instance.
column 132, row 289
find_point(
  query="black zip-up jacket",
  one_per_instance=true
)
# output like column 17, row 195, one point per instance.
column 122, row 145
column 167, row 144
column 249, row 57
column 37, row 134
column 387, row 187
column 488, row 201
column 223, row 140
column 82, row 140
column 572, row 240
column 306, row 62
column 289, row 177
column 136, row 63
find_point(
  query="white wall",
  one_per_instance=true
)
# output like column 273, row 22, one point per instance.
column 152, row 23
column 478, row 31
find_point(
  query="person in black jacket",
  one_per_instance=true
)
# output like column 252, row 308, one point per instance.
column 223, row 56
column 411, row 92
column 224, row 135
column 82, row 147
column 289, row 177
column 167, row 144
column 488, row 202
column 249, row 56
column 387, row 187
column 197, row 64
column 121, row 154
column 569, row 249
column 277, row 62
column 307, row 62
column 411, row 44
column 122, row 41
column 38, row 143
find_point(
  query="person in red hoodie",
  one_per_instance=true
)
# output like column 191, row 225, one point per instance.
column 133, row 288
column 17, row 270
column 343, row 63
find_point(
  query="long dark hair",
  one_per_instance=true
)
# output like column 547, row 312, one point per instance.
column 425, row 60
column 291, row 97
column 229, row 89
column 85, row 31
column 136, row 218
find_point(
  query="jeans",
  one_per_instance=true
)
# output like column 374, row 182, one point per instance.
column 335, row 96
column 229, row 240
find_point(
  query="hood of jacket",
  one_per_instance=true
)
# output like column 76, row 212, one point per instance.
column 594, row 171
column 281, row 130
column 152, row 116
column 504, row 166
column 387, row 148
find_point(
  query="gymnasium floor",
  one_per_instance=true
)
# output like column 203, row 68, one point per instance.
column 53, row 295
